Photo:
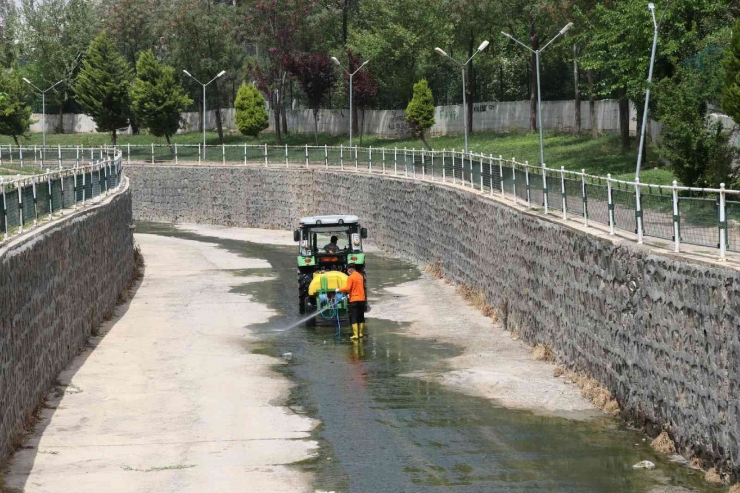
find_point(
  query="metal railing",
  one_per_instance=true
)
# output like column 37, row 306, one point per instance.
column 699, row 216
column 30, row 200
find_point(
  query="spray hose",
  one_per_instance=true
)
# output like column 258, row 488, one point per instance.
column 330, row 309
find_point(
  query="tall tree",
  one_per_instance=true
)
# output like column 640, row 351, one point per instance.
column 135, row 26
column 8, row 22
column 56, row 34
column 731, row 88
column 621, row 41
column 103, row 84
column 281, row 28
column 315, row 73
column 201, row 37
column 399, row 38
column 698, row 149
column 15, row 113
column 157, row 98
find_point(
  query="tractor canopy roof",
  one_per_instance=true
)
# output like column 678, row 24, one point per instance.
column 329, row 220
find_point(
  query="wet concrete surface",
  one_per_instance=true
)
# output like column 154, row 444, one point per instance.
column 384, row 431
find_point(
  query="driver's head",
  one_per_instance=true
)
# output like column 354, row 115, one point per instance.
column 334, row 239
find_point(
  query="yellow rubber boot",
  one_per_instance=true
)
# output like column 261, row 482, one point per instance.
column 362, row 329
column 355, row 329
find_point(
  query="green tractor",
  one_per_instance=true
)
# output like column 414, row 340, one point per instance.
column 327, row 245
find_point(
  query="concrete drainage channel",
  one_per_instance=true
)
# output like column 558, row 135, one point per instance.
column 619, row 311
column 384, row 414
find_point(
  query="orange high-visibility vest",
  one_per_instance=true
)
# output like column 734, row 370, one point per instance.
column 355, row 287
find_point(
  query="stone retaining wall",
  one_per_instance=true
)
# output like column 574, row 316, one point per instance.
column 659, row 331
column 56, row 285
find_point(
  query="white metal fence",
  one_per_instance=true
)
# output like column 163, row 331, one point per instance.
column 707, row 217
column 31, row 199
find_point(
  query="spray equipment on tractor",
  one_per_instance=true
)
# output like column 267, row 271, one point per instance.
column 327, row 246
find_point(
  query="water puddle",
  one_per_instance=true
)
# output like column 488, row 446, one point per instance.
column 383, row 431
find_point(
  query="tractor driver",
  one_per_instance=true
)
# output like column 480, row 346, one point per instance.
column 355, row 287
column 332, row 247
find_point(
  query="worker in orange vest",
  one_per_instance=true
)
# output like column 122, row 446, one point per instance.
column 355, row 288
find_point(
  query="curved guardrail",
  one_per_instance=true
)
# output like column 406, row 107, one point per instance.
column 30, row 200
column 699, row 216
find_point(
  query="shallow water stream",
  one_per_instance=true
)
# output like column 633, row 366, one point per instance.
column 383, row 431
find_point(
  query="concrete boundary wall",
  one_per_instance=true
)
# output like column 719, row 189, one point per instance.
column 660, row 332
column 57, row 283
column 506, row 116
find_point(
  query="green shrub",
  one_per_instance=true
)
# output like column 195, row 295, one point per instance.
column 251, row 116
column 420, row 111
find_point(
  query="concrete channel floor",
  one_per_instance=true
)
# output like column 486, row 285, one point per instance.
column 170, row 400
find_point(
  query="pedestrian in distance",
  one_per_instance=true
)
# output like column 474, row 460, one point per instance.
column 355, row 288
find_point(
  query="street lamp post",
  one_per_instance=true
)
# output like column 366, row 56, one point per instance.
column 351, row 91
column 656, row 27
column 462, row 66
column 204, row 102
column 43, row 108
column 539, row 99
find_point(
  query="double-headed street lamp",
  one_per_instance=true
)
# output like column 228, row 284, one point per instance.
column 440, row 51
column 539, row 98
column 43, row 107
column 351, row 75
column 204, row 102
column 656, row 26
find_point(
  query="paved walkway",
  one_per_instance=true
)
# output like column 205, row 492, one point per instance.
column 171, row 399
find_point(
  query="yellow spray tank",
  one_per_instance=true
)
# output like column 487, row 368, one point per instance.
column 328, row 281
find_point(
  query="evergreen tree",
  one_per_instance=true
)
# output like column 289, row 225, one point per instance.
column 420, row 111
column 15, row 113
column 731, row 89
column 251, row 116
column 157, row 99
column 102, row 86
